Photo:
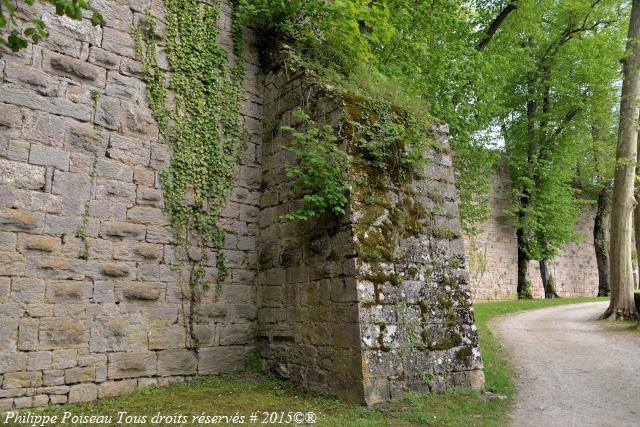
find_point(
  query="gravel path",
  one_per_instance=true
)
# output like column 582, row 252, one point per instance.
column 570, row 369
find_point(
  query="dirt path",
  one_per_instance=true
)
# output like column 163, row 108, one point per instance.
column 570, row 369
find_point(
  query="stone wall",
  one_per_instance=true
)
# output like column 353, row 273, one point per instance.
column 493, row 256
column 91, row 304
column 80, row 154
column 333, row 318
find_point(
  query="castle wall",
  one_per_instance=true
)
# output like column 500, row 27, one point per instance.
column 338, row 319
column 493, row 255
column 80, row 155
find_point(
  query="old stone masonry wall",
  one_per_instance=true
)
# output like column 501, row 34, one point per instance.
column 376, row 303
column 90, row 305
column 493, row 255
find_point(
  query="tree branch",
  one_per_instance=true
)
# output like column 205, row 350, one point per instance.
column 497, row 22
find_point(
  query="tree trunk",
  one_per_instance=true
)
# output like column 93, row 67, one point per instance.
column 548, row 281
column 600, row 240
column 623, row 203
column 524, row 287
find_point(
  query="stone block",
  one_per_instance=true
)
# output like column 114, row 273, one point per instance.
column 69, row 291
column 80, row 375
column 63, row 359
column 156, row 273
column 23, row 402
column 86, row 138
column 83, row 393
column 10, row 118
column 39, row 243
column 118, row 42
column 53, row 377
column 123, row 229
column 41, row 82
column 75, row 69
column 61, row 43
column 61, row 333
column 58, row 399
column 108, row 334
column 28, row 334
column 131, row 365
column 216, row 360
column 12, row 362
column 138, row 121
column 149, row 196
column 142, row 291
column 103, row 291
column 114, row 269
column 236, row 334
column 5, row 289
column 128, row 151
column 76, row 186
column 13, row 264
column 177, row 362
column 20, row 220
column 21, row 175
column 108, row 112
column 6, row 405
column 22, row 379
column 39, row 360
column 137, row 251
column 147, row 215
column 115, row 191
column 116, row 388
column 60, row 106
column 49, row 156
column 158, row 234
column 47, row 129
column 27, row 290
column 166, row 338
column 123, row 87
column 104, row 58
column 56, row 267
column 82, row 30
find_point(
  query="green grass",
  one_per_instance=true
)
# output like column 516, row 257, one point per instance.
column 247, row 392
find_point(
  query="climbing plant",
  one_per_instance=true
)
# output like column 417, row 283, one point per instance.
column 202, row 124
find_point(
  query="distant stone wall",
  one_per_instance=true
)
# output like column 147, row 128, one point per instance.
column 331, row 317
column 493, row 255
column 79, row 149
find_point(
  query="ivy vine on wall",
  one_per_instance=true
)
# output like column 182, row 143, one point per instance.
column 202, row 124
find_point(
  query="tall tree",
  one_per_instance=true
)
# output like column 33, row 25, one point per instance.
column 546, row 100
column 622, row 304
column 595, row 169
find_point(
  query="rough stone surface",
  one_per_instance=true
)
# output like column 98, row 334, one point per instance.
column 334, row 318
column 81, row 322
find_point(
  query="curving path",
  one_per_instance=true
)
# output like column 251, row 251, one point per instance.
column 570, row 369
